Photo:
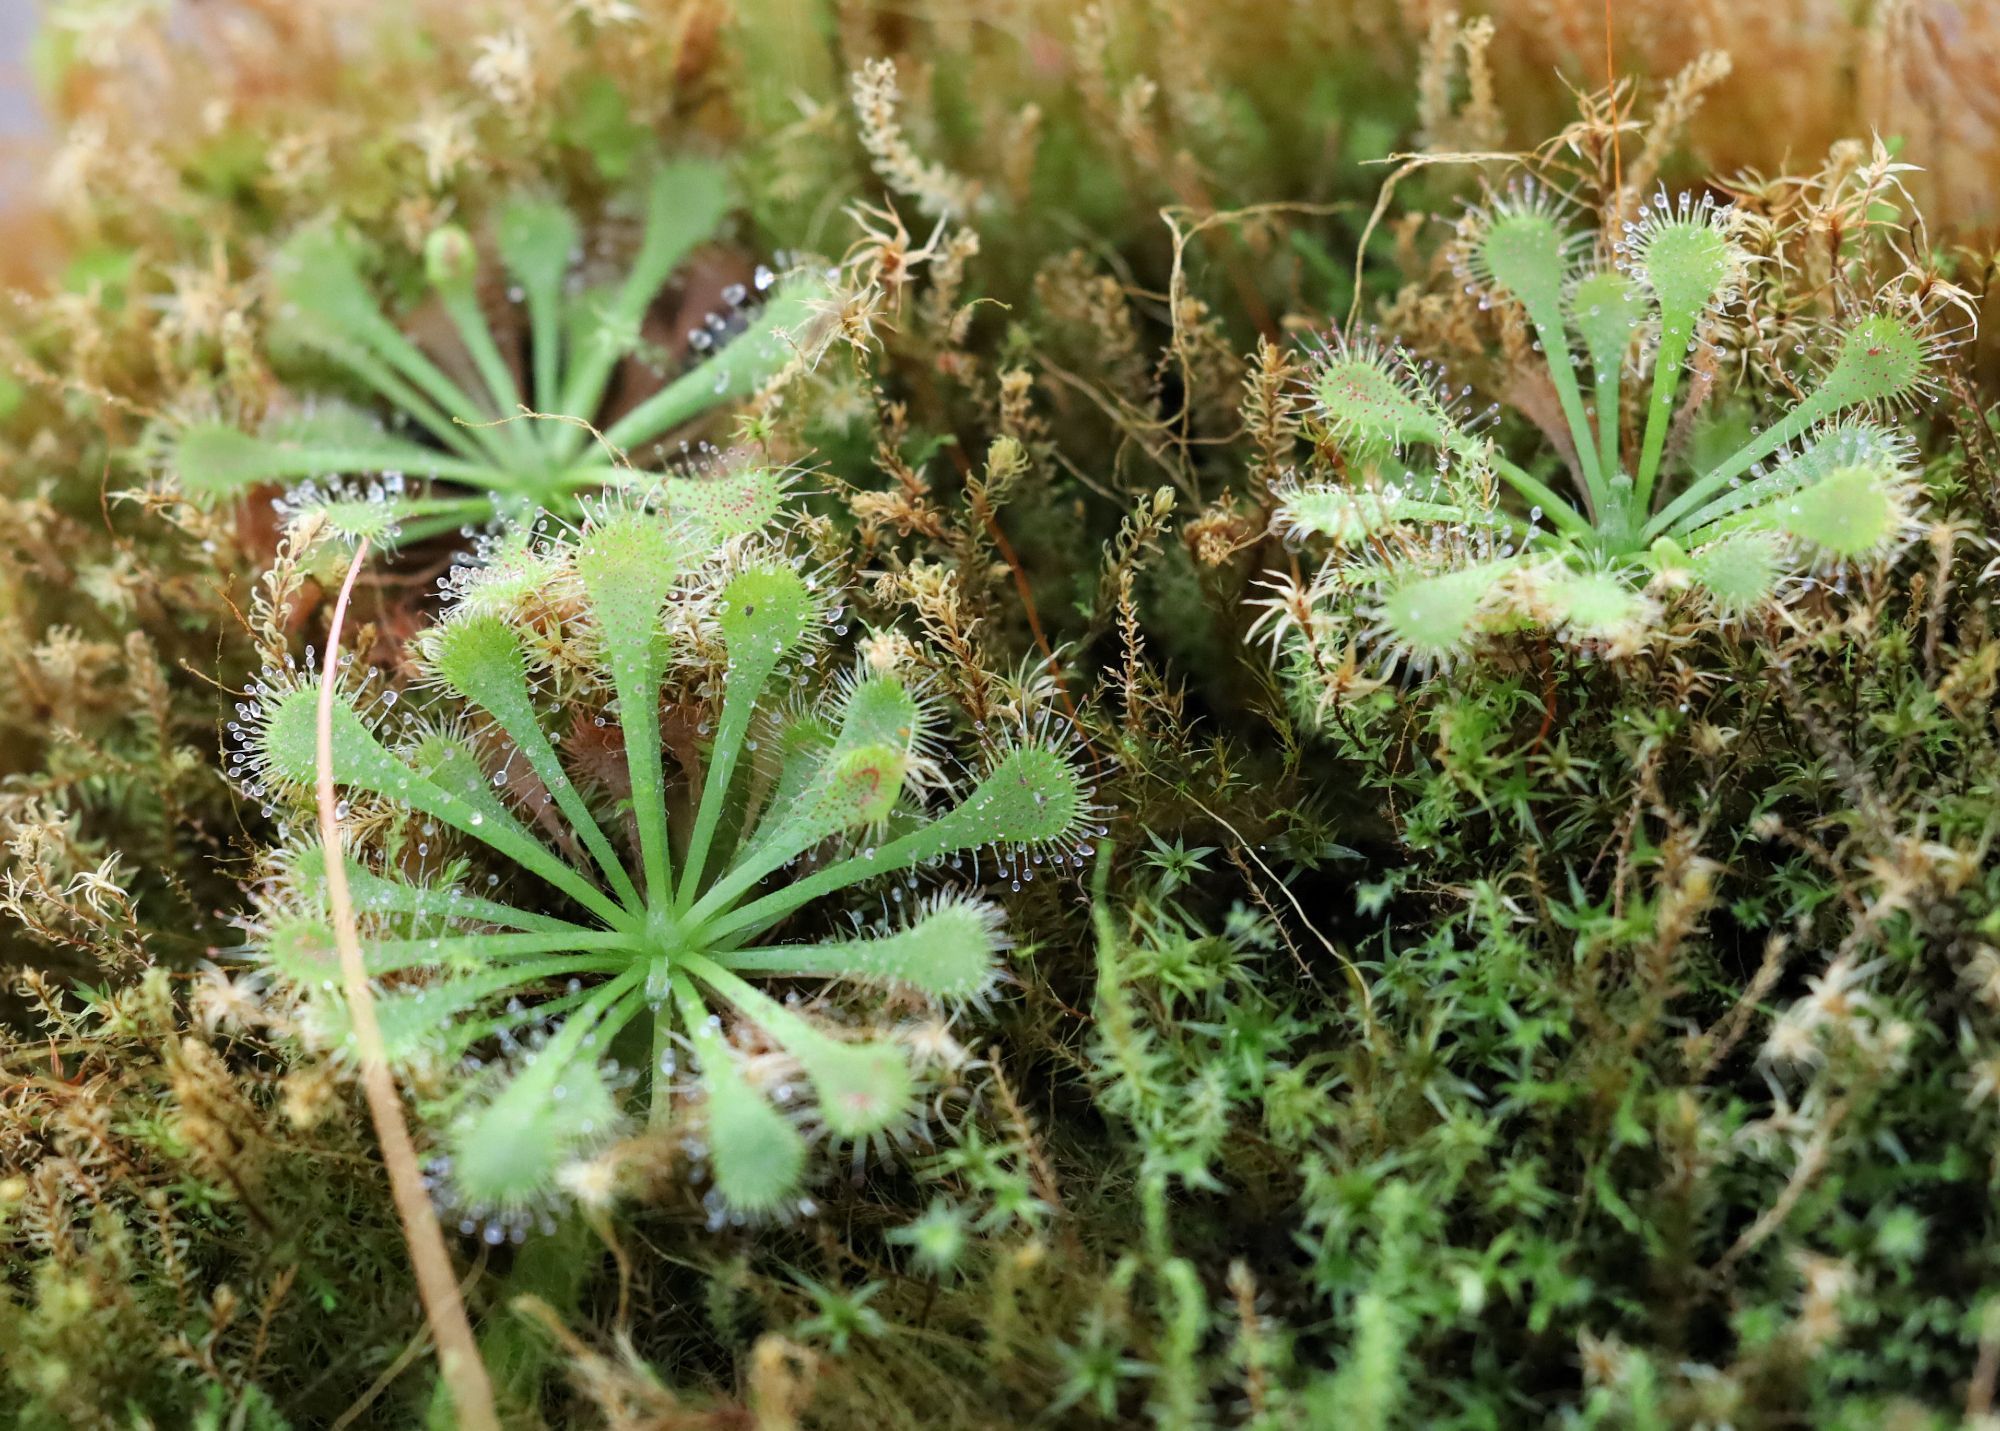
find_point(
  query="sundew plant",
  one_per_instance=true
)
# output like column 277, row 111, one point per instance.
column 635, row 920
column 556, row 356
column 1585, row 543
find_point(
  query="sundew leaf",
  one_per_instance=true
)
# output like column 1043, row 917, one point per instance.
column 1593, row 605
column 1432, row 620
column 1033, row 795
column 862, row 1088
column 950, row 951
column 442, row 1019
column 685, row 203
column 536, row 238
column 766, row 612
column 800, row 745
column 213, row 459
column 856, row 784
column 1852, row 513
column 854, row 787
column 1345, row 516
column 738, row 504
column 517, row 571
column 630, row 561
column 507, row 1151
column 742, row 365
column 1688, row 262
column 379, row 521
column 1880, row 359
column 318, row 274
column 1361, row 396
column 448, row 763
column 289, row 743
column 328, row 305
column 378, row 895
column 756, row 1154
column 1522, row 252
column 1607, row 308
column 879, row 710
column 1740, row 572
column 480, row 656
column 218, row 459
column 301, row 949
column 451, row 262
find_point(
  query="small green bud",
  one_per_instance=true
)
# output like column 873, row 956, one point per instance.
column 451, row 259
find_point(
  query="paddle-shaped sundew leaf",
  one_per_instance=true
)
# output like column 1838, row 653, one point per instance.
column 686, row 202
column 1880, row 359
column 480, row 656
column 1435, row 619
column 949, row 952
column 1850, row 514
column 1361, row 394
column 1740, row 572
column 630, row 562
column 1594, row 606
column 734, row 504
column 767, row 613
column 1523, row 253
column 756, row 1153
column 1690, row 264
column 862, row 1087
column 507, row 1151
column 1344, row 517
column 536, row 238
column 1607, row 309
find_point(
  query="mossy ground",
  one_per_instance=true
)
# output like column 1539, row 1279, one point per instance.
column 1551, row 1039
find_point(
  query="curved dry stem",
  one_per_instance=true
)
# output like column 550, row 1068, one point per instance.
column 458, row 1353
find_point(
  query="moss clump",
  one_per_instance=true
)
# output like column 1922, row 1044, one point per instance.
column 1560, row 987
